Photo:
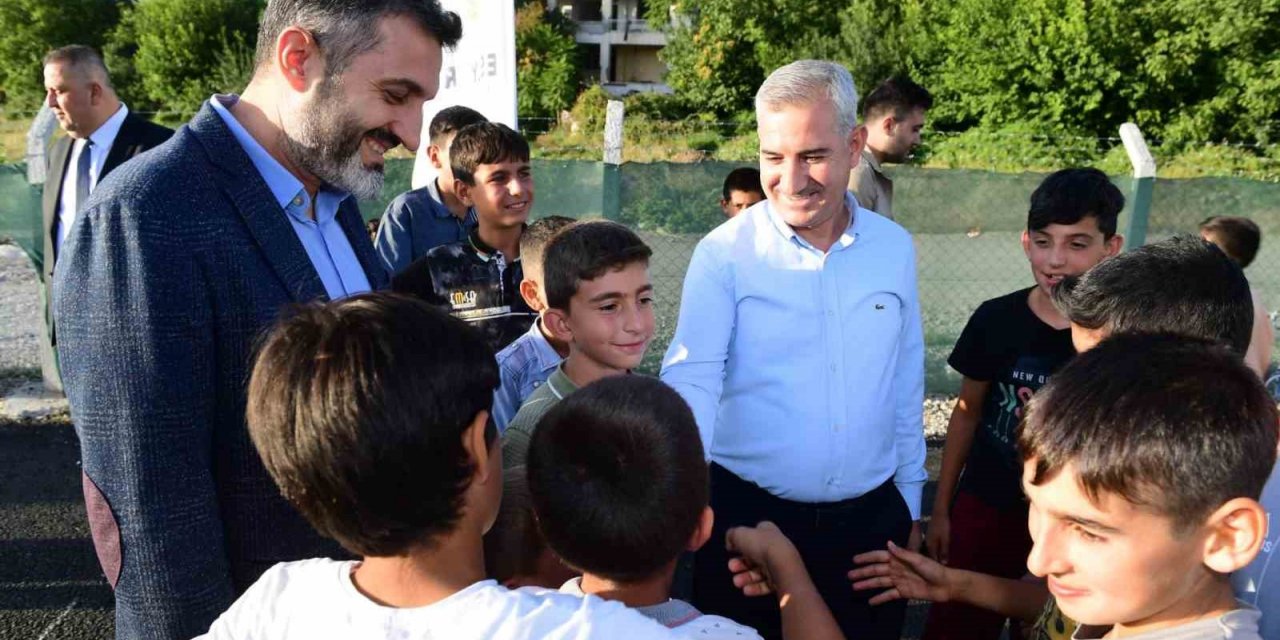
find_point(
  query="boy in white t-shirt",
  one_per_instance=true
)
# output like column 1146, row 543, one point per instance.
column 619, row 485
column 383, row 440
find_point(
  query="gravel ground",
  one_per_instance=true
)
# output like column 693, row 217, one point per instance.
column 20, row 313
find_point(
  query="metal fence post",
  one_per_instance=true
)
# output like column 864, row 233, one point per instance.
column 612, row 196
column 1144, row 178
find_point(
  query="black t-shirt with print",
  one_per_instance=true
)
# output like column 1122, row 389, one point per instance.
column 475, row 283
column 1005, row 344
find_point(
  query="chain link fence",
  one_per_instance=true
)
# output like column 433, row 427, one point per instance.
column 966, row 225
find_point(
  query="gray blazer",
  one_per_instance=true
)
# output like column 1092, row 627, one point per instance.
column 177, row 265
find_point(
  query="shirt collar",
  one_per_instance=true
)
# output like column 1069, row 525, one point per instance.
column 870, row 159
column 286, row 187
column 106, row 134
column 559, row 384
column 433, row 190
column 855, row 226
column 482, row 248
column 544, row 354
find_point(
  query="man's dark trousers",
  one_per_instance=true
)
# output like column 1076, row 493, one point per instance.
column 827, row 535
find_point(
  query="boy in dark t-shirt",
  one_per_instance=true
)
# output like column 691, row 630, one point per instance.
column 1007, row 351
column 478, row 279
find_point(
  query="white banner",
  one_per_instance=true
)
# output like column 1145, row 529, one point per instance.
column 479, row 73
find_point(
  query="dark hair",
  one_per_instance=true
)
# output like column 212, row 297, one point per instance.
column 357, row 409
column 1238, row 237
column 345, row 29
column 484, row 143
column 450, row 120
column 79, row 56
column 618, row 477
column 513, row 544
column 1175, row 424
column 585, row 251
column 897, row 94
column 533, row 242
column 742, row 179
column 1071, row 195
column 1182, row 285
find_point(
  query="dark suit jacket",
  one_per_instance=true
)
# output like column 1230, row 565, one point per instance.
column 136, row 135
column 179, row 263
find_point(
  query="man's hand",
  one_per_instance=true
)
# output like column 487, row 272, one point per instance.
column 765, row 553
column 902, row 574
column 938, row 540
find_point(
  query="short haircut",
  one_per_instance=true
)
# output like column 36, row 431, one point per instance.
column 804, row 82
column 1238, row 237
column 898, row 95
column 1182, row 285
column 345, row 29
column 450, row 120
column 742, row 179
column 513, row 544
column 82, row 58
column 1173, row 424
column 1071, row 195
column 585, row 251
column 533, row 242
column 484, row 143
column 359, row 417
column 618, row 477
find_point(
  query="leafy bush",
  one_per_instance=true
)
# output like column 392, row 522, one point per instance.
column 546, row 61
column 32, row 28
column 182, row 51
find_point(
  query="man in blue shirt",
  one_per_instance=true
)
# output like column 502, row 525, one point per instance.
column 180, row 261
column 800, row 350
column 420, row 220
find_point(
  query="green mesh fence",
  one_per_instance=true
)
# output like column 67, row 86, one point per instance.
column 966, row 226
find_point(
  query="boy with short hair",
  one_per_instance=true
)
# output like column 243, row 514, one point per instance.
column 1008, row 349
column 619, row 484
column 599, row 302
column 478, row 279
column 420, row 220
column 741, row 189
column 1182, row 285
column 381, row 439
column 1240, row 238
column 1143, row 462
column 527, row 363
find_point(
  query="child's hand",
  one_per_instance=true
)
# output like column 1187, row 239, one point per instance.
column 938, row 540
column 765, row 552
column 903, row 574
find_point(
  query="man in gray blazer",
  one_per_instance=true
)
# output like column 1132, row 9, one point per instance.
column 101, row 134
column 183, row 258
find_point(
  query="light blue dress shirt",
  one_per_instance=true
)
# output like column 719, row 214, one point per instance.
column 805, row 369
column 323, row 238
column 523, row 365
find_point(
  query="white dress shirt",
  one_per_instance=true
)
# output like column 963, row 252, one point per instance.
column 102, row 139
column 805, row 369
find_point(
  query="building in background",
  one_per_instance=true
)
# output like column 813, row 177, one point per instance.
column 620, row 47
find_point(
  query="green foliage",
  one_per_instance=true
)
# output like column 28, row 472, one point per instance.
column 546, row 61
column 32, row 28
column 183, row 51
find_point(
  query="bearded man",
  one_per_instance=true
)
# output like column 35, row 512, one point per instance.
column 183, row 257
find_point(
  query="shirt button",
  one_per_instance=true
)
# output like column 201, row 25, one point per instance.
column 297, row 202
column 833, row 367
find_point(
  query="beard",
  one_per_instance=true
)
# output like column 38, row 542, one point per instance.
column 326, row 140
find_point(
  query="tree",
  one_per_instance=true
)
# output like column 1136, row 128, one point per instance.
column 174, row 54
column 32, row 28
column 546, row 57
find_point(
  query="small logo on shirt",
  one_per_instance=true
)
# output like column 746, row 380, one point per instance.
column 879, row 307
column 463, row 300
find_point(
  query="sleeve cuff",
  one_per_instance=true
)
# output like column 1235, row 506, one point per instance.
column 912, row 493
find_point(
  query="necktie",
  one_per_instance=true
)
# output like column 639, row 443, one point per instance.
column 82, row 175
